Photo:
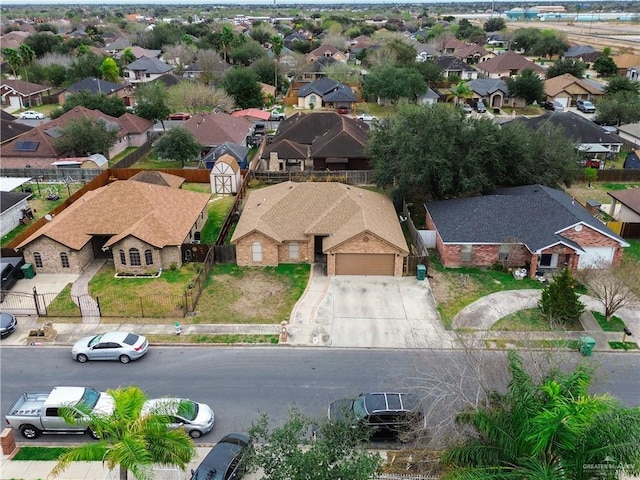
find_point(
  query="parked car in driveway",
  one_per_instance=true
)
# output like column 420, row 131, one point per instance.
column 466, row 108
column 366, row 117
column 585, row 106
column 32, row 115
column 180, row 116
column 8, row 324
column 120, row 346
column 382, row 414
column 195, row 418
column 480, row 107
column 224, row 461
column 553, row 105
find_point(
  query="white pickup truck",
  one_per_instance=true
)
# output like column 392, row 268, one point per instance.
column 36, row 413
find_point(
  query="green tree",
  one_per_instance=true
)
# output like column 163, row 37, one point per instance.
column 277, row 44
column 84, row 136
column 13, row 59
column 550, row 429
column 494, row 25
column 242, row 84
column 151, row 102
column 619, row 108
column 528, row 86
column 110, row 70
column 567, row 65
column 621, row 84
column 605, row 66
column 246, row 53
column 460, row 93
column 559, row 302
column 399, row 53
column 551, row 43
column 42, row 43
column 431, row 73
column 128, row 440
column 27, row 56
column 392, row 83
column 128, row 56
column 178, row 144
column 469, row 32
column 525, row 39
column 590, row 175
column 113, row 106
column 226, row 38
column 286, row 453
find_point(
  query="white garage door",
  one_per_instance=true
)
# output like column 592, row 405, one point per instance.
column 564, row 101
column 364, row 264
column 595, row 256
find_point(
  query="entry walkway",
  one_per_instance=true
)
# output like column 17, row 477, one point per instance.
column 80, row 292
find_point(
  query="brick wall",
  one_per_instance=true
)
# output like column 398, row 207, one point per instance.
column 50, row 251
column 244, row 256
column 303, row 253
column 372, row 245
column 132, row 242
column 588, row 237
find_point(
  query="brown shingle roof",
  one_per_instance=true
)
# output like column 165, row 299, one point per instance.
column 293, row 211
column 626, row 60
column 157, row 215
column 25, row 88
column 213, row 129
column 508, row 61
column 555, row 85
column 158, row 178
column 630, row 198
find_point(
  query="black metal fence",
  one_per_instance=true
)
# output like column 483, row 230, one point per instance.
column 148, row 306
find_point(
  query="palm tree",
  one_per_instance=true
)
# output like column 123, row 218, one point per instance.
column 27, row 56
column 276, row 45
column 128, row 439
column 460, row 92
column 551, row 430
column 13, row 59
column 226, row 38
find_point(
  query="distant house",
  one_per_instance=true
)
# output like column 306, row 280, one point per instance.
column 578, row 52
column 94, row 86
column 428, row 98
column 568, row 89
column 13, row 39
column 453, row 66
column 626, row 205
column 492, row 92
column 240, row 153
column 14, row 210
column 625, row 63
column 140, row 226
column 537, row 227
column 508, row 64
column 214, row 129
column 325, row 92
column 315, row 68
column 351, row 230
column 21, row 94
column 471, row 53
column 327, row 51
column 145, row 70
column 9, row 128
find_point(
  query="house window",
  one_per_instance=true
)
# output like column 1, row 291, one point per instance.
column 123, row 258
column 37, row 259
column 294, row 250
column 548, row 260
column 64, row 259
column 503, row 254
column 134, row 257
column 465, row 253
column 148, row 257
column 256, row 251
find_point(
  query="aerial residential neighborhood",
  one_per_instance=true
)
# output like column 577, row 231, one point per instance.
column 349, row 241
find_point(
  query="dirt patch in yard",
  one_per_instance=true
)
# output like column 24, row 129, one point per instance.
column 257, row 294
column 439, row 286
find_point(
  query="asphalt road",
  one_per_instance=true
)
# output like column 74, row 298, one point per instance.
column 240, row 383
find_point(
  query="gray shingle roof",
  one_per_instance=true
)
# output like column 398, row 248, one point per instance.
column 149, row 65
column 487, row 86
column 95, row 86
column 534, row 215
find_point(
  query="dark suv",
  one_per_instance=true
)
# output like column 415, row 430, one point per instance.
column 384, row 415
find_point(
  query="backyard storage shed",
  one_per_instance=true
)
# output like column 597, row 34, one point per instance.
column 225, row 176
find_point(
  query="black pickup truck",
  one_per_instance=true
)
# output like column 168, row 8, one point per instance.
column 11, row 273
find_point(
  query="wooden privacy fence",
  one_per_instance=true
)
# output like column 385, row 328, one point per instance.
column 411, row 264
column 139, row 152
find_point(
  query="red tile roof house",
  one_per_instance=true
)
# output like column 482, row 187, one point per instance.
column 18, row 93
column 532, row 226
column 141, row 226
column 507, row 64
column 37, row 148
column 351, row 230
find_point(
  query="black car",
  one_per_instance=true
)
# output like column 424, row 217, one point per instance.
column 557, row 106
column 384, row 415
column 224, row 461
column 8, row 324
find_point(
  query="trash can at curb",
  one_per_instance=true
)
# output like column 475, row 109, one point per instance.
column 28, row 271
column 421, row 272
column 586, row 346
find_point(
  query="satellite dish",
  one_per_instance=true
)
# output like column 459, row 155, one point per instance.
column 48, row 217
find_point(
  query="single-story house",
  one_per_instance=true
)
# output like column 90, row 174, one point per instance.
column 625, row 62
column 493, row 92
column 239, row 152
column 213, row 129
column 18, row 93
column 631, row 133
column 508, row 64
column 567, row 90
column 533, row 226
column 427, row 98
column 472, row 53
column 327, row 51
column 14, row 209
column 9, row 128
column 629, row 201
column 326, row 92
column 95, row 86
column 351, row 230
column 139, row 225
column 453, row 66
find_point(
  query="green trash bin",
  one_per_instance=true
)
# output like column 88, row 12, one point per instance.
column 422, row 272
column 586, row 346
column 28, row 271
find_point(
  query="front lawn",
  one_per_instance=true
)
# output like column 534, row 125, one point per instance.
column 614, row 325
column 218, row 210
column 531, row 320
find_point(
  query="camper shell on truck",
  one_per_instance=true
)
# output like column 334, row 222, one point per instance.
column 36, row 413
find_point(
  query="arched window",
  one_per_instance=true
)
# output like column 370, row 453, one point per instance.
column 148, row 257
column 256, row 251
column 134, row 257
column 123, row 257
column 294, row 250
column 37, row 259
column 64, row 259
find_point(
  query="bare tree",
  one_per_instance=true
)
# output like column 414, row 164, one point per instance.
column 181, row 55
column 211, row 65
column 194, row 97
column 613, row 286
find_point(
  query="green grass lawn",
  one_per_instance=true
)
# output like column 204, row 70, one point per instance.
column 531, row 320
column 218, row 210
column 623, row 346
column 633, row 250
column 614, row 325
column 46, row 454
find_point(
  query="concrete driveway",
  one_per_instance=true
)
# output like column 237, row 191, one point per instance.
column 372, row 311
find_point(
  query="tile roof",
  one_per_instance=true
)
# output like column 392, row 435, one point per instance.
column 212, row 129
column 252, row 113
column 293, row 211
column 508, row 61
column 158, row 215
column 533, row 214
column 629, row 197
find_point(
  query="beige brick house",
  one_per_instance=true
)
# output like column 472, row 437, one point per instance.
column 140, row 226
column 534, row 226
column 354, row 231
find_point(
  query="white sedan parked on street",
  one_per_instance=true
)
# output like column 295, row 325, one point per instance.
column 120, row 346
column 32, row 115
